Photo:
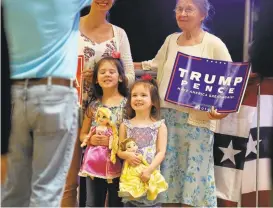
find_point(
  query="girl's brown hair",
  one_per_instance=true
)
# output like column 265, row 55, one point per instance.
column 152, row 85
column 122, row 86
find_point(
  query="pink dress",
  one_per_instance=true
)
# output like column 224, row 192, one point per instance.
column 96, row 160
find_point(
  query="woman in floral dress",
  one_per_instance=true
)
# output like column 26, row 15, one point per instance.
column 188, row 166
column 97, row 39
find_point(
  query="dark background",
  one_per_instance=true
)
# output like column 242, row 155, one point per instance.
column 149, row 22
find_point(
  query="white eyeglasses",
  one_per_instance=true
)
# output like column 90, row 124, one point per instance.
column 187, row 10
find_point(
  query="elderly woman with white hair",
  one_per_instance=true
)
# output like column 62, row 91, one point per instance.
column 189, row 165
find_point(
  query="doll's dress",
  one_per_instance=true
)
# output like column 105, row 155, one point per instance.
column 145, row 137
column 131, row 185
column 96, row 161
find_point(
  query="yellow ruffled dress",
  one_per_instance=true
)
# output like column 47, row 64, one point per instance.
column 132, row 187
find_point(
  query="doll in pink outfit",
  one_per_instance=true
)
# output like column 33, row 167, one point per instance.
column 101, row 161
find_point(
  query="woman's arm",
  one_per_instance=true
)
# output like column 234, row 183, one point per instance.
column 126, row 57
column 220, row 51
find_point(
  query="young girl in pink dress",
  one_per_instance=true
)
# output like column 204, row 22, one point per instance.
column 110, row 91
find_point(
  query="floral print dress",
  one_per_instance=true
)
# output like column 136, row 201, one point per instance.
column 92, row 53
column 188, row 166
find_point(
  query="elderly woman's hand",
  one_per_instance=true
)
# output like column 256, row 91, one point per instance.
column 214, row 115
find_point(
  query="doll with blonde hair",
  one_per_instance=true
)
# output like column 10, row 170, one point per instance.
column 96, row 157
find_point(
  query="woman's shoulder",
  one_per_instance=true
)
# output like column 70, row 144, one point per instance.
column 213, row 40
column 217, row 47
column 118, row 28
column 120, row 31
column 173, row 36
column 84, row 41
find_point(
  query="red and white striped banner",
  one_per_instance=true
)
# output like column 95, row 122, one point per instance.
column 235, row 150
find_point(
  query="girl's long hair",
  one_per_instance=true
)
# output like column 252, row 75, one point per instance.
column 114, row 147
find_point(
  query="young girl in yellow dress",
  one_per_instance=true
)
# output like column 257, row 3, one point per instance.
column 150, row 136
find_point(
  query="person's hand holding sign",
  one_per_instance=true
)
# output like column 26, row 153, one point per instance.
column 214, row 115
